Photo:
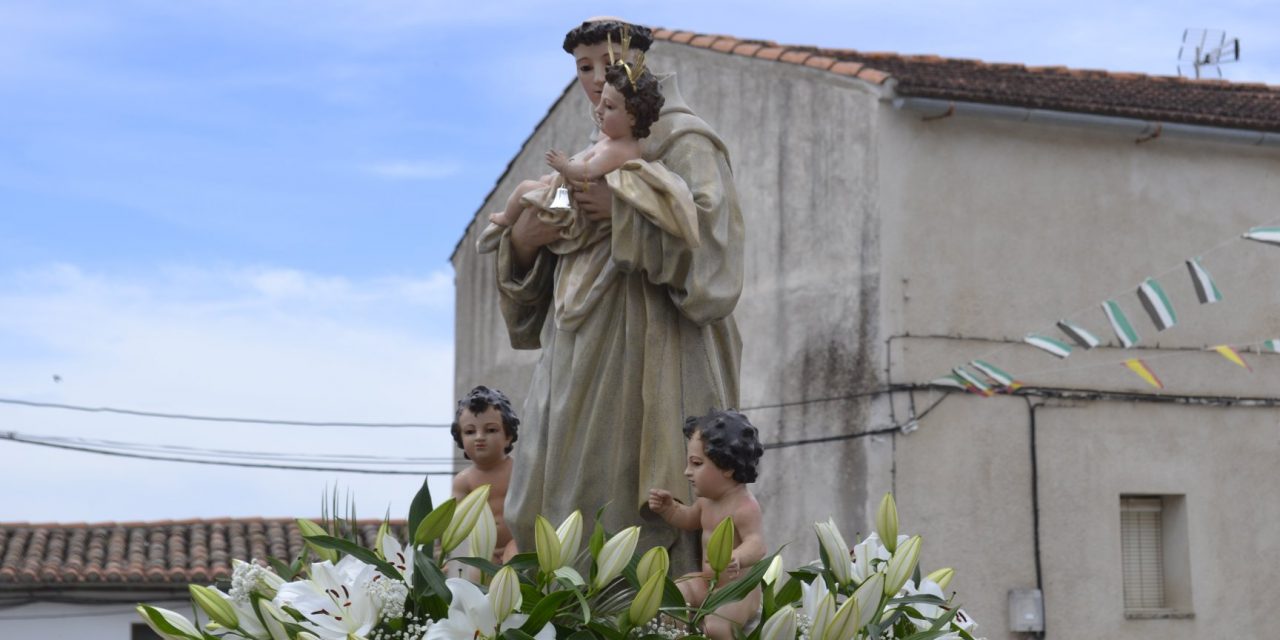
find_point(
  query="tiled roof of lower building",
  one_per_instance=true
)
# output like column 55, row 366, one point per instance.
column 144, row 554
column 1215, row 103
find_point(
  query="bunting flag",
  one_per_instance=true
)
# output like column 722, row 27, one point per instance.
column 1271, row 346
column 975, row 385
column 1157, row 304
column 1139, row 367
column 1056, row 347
column 1079, row 334
column 949, row 381
column 1232, row 355
column 1206, row 291
column 1120, row 324
column 996, row 375
column 1270, row 235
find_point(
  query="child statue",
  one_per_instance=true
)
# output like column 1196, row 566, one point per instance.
column 630, row 103
column 485, row 428
column 723, row 454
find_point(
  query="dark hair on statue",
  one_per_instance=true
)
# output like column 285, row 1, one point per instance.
column 643, row 99
column 589, row 33
column 730, row 441
column 477, row 401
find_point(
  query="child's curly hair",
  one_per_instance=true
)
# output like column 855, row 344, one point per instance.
column 643, row 98
column 730, row 441
column 477, row 401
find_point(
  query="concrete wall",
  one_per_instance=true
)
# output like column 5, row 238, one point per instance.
column 78, row 621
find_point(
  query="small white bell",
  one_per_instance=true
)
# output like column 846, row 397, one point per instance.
column 561, row 201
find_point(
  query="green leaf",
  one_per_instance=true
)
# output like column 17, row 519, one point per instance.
column 919, row 597
column 287, row 572
column 581, row 634
column 736, row 590
column 605, row 630
column 432, row 578
column 671, row 596
column 545, row 610
column 938, row 629
column 522, row 562
column 790, row 592
column 571, row 575
column 434, row 523
column 516, row 634
column 483, row 565
column 420, row 507
column 359, row 552
column 596, row 542
column 161, row 623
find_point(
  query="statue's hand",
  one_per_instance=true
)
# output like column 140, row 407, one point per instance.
column 528, row 235
column 660, row 501
column 596, row 202
column 557, row 159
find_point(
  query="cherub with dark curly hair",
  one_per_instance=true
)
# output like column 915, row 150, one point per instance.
column 629, row 104
column 485, row 427
column 723, row 456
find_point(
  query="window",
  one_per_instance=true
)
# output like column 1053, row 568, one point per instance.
column 143, row 632
column 1154, row 556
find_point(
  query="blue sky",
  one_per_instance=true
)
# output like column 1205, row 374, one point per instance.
column 247, row 208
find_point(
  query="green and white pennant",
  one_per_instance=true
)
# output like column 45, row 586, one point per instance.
column 1271, row 346
column 1055, row 347
column 1157, row 304
column 1206, row 291
column 1079, row 334
column 995, row 374
column 1120, row 324
column 1269, row 235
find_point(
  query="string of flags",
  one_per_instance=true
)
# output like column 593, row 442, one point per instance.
column 986, row 379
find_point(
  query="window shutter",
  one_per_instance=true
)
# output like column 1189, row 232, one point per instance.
column 1142, row 553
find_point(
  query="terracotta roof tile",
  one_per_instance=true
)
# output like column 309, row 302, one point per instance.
column 1209, row 102
column 146, row 553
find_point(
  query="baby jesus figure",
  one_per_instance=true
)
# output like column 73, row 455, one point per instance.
column 724, row 451
column 630, row 104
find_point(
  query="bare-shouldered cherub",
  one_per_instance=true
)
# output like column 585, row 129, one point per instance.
column 723, row 454
column 627, row 108
column 485, row 427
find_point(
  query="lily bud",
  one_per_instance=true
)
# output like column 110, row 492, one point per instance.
column 504, row 593
column 868, row 595
column 901, row 565
column 844, row 624
column 942, row 577
column 547, row 544
column 570, row 534
column 307, row 635
column 168, row 624
column 821, row 616
column 384, row 530
column 218, row 609
column 614, row 556
column 887, row 522
column 464, row 518
column 781, row 625
column 309, row 528
column 654, row 561
column 774, row 571
column 720, row 546
column 645, row 606
column 484, row 536
column 273, row 618
column 837, row 551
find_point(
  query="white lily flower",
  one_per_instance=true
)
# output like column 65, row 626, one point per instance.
column 336, row 600
column 811, row 595
column 781, row 625
column 865, row 554
column 836, row 550
column 868, row 595
column 397, row 556
column 471, row 617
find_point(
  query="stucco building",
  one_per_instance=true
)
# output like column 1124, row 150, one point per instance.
column 908, row 214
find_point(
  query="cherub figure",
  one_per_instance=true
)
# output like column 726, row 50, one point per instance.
column 723, row 454
column 485, row 427
column 630, row 103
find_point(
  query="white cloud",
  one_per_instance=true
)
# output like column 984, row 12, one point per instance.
column 415, row 170
column 262, row 342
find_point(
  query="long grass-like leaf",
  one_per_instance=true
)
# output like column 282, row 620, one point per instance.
column 357, row 551
column 545, row 610
column 736, row 590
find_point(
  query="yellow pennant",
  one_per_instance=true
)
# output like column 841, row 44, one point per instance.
column 1139, row 367
column 1232, row 355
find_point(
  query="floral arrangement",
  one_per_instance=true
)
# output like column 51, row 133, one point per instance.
column 400, row 592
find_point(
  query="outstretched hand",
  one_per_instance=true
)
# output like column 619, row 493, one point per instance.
column 660, row 500
column 557, row 159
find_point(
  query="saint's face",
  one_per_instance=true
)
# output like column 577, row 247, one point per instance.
column 611, row 114
column 483, row 437
column 708, row 480
column 591, row 61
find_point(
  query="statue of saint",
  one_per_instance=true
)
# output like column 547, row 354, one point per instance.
column 636, row 329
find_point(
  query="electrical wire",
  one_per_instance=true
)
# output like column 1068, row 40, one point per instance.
column 187, row 416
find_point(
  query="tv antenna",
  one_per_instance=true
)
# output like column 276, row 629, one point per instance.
column 1207, row 48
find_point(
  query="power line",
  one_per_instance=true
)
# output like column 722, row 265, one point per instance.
column 22, row 439
column 186, row 416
